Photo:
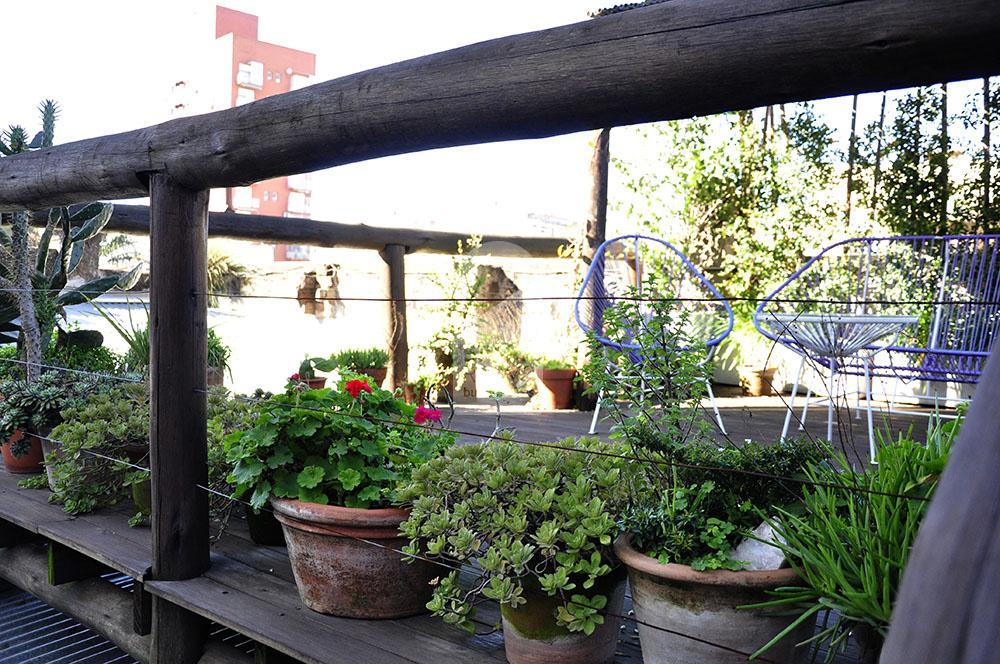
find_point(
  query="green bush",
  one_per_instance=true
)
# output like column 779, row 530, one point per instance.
column 356, row 359
column 529, row 517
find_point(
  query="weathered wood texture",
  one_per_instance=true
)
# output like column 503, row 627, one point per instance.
column 178, row 451
column 66, row 565
column 669, row 60
column 399, row 349
column 134, row 219
column 597, row 219
column 947, row 609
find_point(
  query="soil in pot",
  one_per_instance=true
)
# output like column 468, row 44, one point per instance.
column 704, row 605
column 338, row 573
column 555, row 388
column 532, row 636
column 377, row 374
column 264, row 528
column 30, row 461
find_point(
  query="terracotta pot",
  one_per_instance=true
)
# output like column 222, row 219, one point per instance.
column 377, row 374
column 413, row 394
column 142, row 497
column 339, row 574
column 758, row 382
column 216, row 377
column 555, row 388
column 703, row 605
column 29, row 461
column 264, row 528
column 316, row 383
column 532, row 636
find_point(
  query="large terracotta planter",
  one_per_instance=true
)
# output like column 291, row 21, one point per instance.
column 338, row 573
column 532, row 636
column 555, row 388
column 757, row 382
column 704, row 605
column 28, row 462
column 377, row 374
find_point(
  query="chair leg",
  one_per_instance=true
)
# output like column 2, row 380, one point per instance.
column 597, row 413
column 715, row 408
column 791, row 400
column 805, row 406
column 871, row 428
column 857, row 401
column 829, row 404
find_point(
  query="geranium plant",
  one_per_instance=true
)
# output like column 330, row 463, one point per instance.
column 531, row 518
column 347, row 446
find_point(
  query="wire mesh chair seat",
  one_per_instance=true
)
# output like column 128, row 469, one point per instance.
column 620, row 265
column 948, row 285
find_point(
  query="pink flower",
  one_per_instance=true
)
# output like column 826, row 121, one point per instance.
column 423, row 415
column 356, row 387
column 294, row 376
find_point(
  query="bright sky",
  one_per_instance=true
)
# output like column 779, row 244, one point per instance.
column 110, row 65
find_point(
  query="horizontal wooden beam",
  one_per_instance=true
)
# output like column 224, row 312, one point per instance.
column 669, row 60
column 134, row 219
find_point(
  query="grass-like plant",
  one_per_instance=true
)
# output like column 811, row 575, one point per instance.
column 355, row 359
column 850, row 538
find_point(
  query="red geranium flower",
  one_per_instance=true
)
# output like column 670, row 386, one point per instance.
column 422, row 415
column 356, row 387
column 294, row 376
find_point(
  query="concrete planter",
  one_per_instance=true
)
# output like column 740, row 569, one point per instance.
column 703, row 605
column 338, row 573
column 531, row 635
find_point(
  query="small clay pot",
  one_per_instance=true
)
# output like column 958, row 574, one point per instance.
column 413, row 394
column 316, row 383
column 757, row 382
column 555, row 388
column 28, row 463
column 704, row 605
column 264, row 528
column 532, row 636
column 377, row 374
column 338, row 571
column 142, row 496
column 216, row 377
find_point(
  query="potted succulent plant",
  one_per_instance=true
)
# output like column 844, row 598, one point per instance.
column 329, row 461
column 28, row 412
column 369, row 362
column 307, row 372
column 555, row 384
column 538, row 524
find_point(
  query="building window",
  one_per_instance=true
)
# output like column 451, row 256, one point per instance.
column 244, row 96
column 270, row 75
column 300, row 81
column 250, row 74
column 267, row 195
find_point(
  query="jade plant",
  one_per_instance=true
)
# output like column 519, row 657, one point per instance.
column 348, row 446
column 530, row 519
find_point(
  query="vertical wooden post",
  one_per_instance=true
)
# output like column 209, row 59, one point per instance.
column 178, row 450
column 399, row 351
column 597, row 220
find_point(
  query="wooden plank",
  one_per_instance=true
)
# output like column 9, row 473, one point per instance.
column 66, row 565
column 394, row 256
column 668, row 60
column 142, row 609
column 947, row 609
column 134, row 219
column 178, row 444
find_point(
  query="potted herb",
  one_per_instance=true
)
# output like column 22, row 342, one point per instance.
column 369, row 362
column 218, row 359
column 28, row 412
column 555, row 384
column 415, row 392
column 329, row 461
column 537, row 524
column 689, row 542
column 307, row 372
column 849, row 541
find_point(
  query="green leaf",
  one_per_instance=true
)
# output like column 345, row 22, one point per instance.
column 247, row 471
column 279, row 457
column 370, row 493
column 349, row 478
column 310, row 477
column 87, row 227
column 260, row 495
column 130, row 278
column 87, row 291
column 286, row 484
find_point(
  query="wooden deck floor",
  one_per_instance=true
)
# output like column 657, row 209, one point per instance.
column 250, row 588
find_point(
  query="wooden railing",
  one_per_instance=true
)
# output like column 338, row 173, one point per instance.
column 670, row 60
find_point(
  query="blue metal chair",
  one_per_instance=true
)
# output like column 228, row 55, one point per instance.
column 620, row 264
column 951, row 284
